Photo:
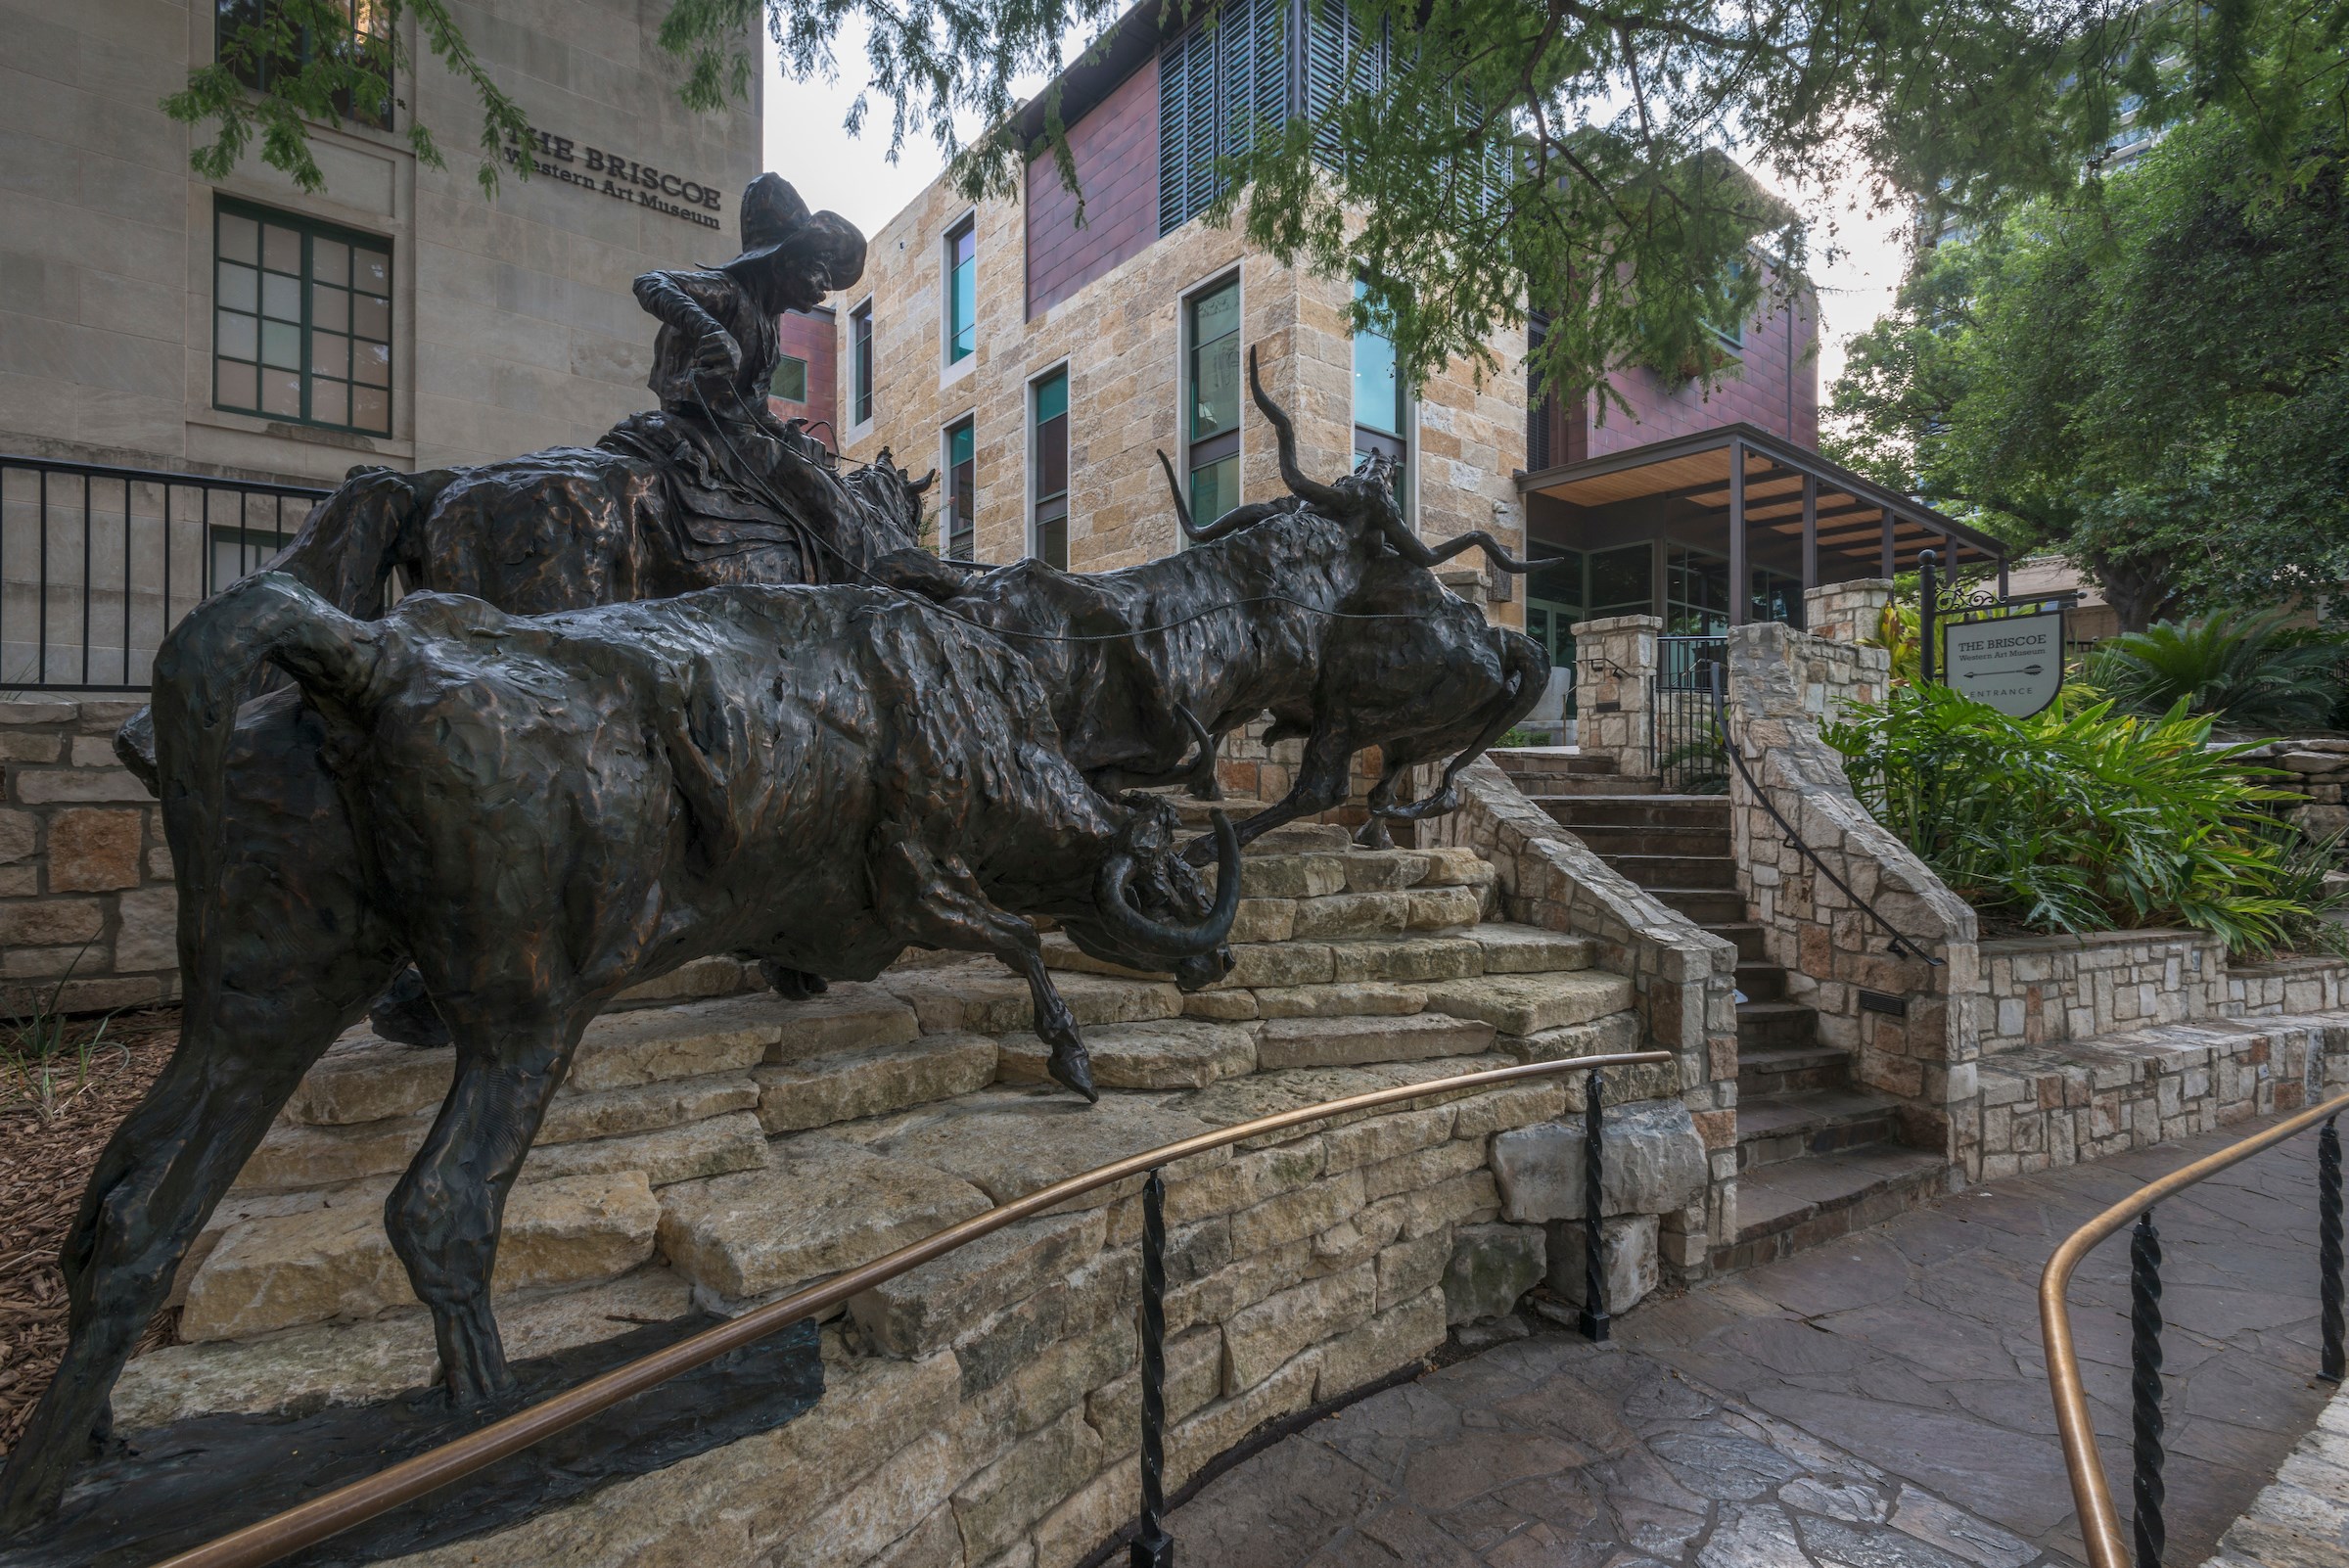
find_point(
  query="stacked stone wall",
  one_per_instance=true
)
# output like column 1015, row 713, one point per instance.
column 1912, row 1028
column 87, row 905
column 2046, row 990
column 1683, row 977
column 2317, row 771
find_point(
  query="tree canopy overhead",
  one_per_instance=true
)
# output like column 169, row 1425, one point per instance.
column 2155, row 381
column 1615, row 215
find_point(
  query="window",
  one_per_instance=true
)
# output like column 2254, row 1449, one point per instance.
column 1776, row 597
column 860, row 361
column 237, row 553
column 790, row 380
column 1696, row 593
column 1048, row 469
column 1554, row 603
column 962, row 292
column 368, row 35
column 1621, row 582
column 301, row 328
column 1381, row 405
column 1731, row 332
column 1211, row 400
column 959, row 527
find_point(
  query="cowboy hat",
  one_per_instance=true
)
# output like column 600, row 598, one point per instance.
column 777, row 225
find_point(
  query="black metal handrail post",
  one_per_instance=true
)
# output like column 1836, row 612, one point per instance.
column 1594, row 1323
column 2145, row 1390
column 2328, row 1248
column 1153, row 1547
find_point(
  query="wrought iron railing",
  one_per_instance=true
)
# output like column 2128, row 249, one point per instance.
column 2099, row 1525
column 1683, row 748
column 282, row 1535
column 98, row 563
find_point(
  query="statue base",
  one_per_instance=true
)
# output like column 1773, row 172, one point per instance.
column 169, row 1487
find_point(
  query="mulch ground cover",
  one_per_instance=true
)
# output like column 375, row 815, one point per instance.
column 44, row 1163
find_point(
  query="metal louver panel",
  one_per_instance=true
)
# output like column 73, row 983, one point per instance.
column 1220, row 85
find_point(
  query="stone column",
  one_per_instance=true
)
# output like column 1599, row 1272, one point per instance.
column 1846, row 612
column 1614, row 682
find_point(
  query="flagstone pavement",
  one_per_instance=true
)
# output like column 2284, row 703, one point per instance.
column 1877, row 1403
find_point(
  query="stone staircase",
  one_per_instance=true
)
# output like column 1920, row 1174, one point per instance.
column 1816, row 1157
column 716, row 1147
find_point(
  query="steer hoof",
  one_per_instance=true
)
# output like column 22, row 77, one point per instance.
column 1073, row 1069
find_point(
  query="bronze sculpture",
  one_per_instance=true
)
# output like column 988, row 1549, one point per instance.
column 820, row 777
column 1320, row 609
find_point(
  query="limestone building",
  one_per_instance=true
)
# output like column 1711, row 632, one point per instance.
column 1042, row 364
column 245, row 329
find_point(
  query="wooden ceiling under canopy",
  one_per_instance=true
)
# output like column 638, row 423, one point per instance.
column 1692, row 473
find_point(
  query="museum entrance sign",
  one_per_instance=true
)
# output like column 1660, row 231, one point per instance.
column 2014, row 664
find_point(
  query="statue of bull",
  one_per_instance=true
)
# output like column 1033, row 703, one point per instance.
column 1321, row 608
column 540, row 813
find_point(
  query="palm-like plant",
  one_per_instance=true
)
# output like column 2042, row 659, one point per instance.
column 2250, row 673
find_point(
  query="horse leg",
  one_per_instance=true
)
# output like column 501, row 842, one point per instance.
column 155, row 1186
column 940, row 903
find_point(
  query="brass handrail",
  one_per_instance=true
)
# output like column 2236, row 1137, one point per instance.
column 267, row 1539
column 2099, row 1525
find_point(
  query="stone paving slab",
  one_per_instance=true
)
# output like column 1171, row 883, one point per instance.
column 1880, row 1401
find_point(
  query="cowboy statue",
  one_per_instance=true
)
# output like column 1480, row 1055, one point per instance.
column 736, row 477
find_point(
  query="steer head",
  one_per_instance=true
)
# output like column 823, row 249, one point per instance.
column 1151, row 907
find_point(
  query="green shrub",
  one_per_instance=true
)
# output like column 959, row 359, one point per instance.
column 2253, row 673
column 2084, row 820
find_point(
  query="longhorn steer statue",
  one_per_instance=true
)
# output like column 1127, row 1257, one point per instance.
column 1322, row 609
column 539, row 813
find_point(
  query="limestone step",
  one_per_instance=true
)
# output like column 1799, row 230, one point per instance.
column 1748, row 936
column 1707, row 906
column 1009, row 1141
column 873, row 1080
column 1553, row 786
column 1286, row 1042
column 1651, row 841
column 1528, row 1005
column 1675, row 870
column 1578, row 812
column 1521, row 762
column 1798, row 1123
column 1778, row 1071
column 1776, row 1025
column 1172, row 1054
column 1760, row 980
column 1782, row 1209
column 1492, row 948
column 1243, row 1099
column 338, row 1264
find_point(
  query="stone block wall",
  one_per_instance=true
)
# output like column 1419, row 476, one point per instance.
column 1614, row 681
column 1683, row 977
column 2045, row 989
column 1846, row 612
column 1912, row 1028
column 87, row 897
column 2316, row 769
column 2293, row 985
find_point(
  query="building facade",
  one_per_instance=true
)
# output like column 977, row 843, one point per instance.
column 1042, row 359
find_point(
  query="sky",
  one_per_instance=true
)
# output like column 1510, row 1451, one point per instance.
column 1857, row 257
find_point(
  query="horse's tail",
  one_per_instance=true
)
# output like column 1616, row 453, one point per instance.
column 201, row 672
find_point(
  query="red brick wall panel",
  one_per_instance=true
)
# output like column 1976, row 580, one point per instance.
column 1116, row 149
column 1776, row 387
column 812, row 335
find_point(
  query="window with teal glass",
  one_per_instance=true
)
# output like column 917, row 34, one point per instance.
column 790, row 380
column 1048, row 469
column 1211, row 392
column 962, row 292
column 302, row 320
column 1381, row 405
column 960, row 525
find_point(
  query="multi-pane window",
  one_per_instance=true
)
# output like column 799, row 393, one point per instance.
column 302, row 326
column 367, row 35
column 1696, row 593
column 1554, row 603
column 1621, row 582
column 1211, row 395
column 962, row 291
column 1048, row 468
column 1381, row 403
column 861, row 362
column 790, row 380
column 959, row 527
column 1778, row 596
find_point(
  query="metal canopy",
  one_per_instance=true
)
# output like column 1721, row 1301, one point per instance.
column 1853, row 517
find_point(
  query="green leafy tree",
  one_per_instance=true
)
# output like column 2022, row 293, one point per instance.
column 1612, row 198
column 2152, row 375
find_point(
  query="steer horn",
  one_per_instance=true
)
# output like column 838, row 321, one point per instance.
column 1231, row 522
column 1285, row 440
column 1156, row 938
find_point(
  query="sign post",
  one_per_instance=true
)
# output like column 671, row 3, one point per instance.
column 2004, row 651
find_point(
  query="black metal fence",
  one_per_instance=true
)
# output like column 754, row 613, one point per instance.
column 1685, row 749
column 98, row 563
